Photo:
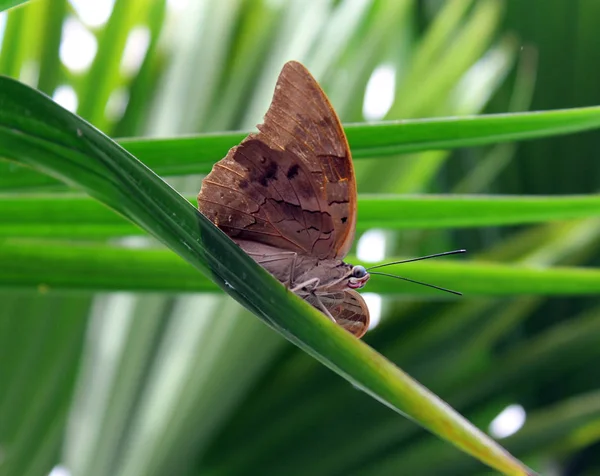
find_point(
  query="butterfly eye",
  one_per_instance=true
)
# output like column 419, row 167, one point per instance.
column 359, row 272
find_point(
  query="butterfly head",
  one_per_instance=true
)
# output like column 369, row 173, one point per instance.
column 358, row 277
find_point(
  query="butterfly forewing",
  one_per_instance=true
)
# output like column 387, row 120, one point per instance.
column 292, row 184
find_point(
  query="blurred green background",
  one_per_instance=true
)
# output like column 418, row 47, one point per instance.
column 162, row 383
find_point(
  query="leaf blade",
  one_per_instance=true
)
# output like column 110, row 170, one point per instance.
column 196, row 154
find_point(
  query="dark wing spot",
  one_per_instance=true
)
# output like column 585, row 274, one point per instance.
column 344, row 219
column 269, row 174
column 243, row 184
column 293, row 171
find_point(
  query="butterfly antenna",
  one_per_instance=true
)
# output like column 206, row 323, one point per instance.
column 437, row 255
column 419, row 282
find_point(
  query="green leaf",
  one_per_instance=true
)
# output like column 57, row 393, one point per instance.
column 196, row 154
column 14, row 41
column 74, row 216
column 422, row 92
column 462, row 211
column 36, row 132
column 45, row 353
column 544, row 430
column 6, row 4
column 104, row 75
column 53, row 17
column 50, row 266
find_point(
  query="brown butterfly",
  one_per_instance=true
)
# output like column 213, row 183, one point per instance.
column 287, row 196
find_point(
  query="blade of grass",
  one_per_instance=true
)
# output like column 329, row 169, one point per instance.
column 374, row 41
column 6, row 4
column 50, row 70
column 415, row 100
column 47, row 266
column 13, row 52
column 250, row 46
column 75, row 216
column 104, row 74
column 196, row 154
column 143, row 84
column 33, row 410
column 545, row 428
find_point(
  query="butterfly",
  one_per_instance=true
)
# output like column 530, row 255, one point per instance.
column 287, row 196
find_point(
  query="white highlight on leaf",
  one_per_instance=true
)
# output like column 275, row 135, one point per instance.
column 177, row 5
column 30, row 72
column 3, row 17
column 66, row 96
column 135, row 242
column 135, row 50
column 481, row 81
column 374, row 304
column 380, row 93
column 93, row 14
column 59, row 470
column 371, row 246
column 508, row 422
column 116, row 104
column 78, row 46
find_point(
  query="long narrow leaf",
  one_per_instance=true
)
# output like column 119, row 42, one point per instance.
column 196, row 154
column 6, row 4
column 46, row 266
column 73, row 216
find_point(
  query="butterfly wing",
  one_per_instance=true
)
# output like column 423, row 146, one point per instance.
column 348, row 308
column 291, row 185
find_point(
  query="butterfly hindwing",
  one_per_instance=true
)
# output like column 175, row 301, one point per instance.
column 347, row 307
column 291, row 185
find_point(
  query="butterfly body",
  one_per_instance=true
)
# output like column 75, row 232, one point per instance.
column 294, row 269
column 287, row 196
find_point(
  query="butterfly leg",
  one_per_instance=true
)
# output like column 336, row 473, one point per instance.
column 312, row 282
column 267, row 260
column 292, row 269
column 322, row 308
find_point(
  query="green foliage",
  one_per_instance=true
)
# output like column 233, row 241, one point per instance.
column 118, row 357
